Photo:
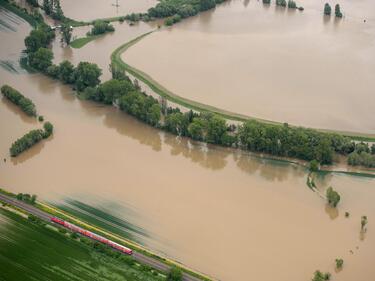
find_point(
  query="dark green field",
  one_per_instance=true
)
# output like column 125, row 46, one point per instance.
column 34, row 252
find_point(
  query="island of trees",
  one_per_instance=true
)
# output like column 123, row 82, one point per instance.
column 30, row 139
column 18, row 99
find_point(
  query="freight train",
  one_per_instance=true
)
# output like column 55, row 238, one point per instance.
column 91, row 235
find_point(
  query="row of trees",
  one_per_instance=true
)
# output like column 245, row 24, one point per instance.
column 84, row 75
column 181, row 8
column 296, row 142
column 328, row 10
column 30, row 139
column 18, row 99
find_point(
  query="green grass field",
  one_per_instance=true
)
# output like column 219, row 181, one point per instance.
column 35, row 252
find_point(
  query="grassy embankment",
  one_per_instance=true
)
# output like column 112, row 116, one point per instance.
column 54, row 211
column 197, row 106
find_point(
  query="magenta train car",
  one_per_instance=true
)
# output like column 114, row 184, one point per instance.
column 92, row 235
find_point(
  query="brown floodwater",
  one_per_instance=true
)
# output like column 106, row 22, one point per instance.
column 85, row 10
column 271, row 63
column 220, row 211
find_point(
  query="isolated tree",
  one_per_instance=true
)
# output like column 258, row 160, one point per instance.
column 327, row 9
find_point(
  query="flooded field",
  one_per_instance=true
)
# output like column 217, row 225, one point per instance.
column 86, row 10
column 271, row 63
column 219, row 211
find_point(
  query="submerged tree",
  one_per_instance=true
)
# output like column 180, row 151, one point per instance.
column 333, row 197
column 338, row 11
column 339, row 263
column 66, row 33
column 363, row 222
column 320, row 276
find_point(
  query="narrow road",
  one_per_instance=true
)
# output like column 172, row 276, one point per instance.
column 136, row 255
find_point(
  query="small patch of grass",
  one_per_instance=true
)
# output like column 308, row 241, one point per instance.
column 80, row 42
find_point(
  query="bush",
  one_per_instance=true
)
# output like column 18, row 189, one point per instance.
column 18, row 99
column 267, row 2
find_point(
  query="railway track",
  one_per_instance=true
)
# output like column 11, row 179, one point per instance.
column 141, row 258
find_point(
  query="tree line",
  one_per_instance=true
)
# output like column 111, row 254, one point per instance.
column 179, row 9
column 30, row 139
column 18, row 99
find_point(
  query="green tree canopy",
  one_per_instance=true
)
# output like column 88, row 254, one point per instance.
column 87, row 75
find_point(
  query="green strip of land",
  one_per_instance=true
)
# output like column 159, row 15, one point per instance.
column 197, row 106
column 80, row 42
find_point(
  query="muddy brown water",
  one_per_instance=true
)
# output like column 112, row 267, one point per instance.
column 220, row 211
column 86, row 10
column 271, row 63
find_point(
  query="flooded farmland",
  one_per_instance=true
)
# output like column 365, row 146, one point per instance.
column 271, row 63
column 86, row 10
column 220, row 211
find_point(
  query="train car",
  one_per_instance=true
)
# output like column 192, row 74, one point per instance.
column 91, row 235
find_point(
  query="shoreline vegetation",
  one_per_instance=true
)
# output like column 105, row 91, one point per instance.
column 54, row 211
column 209, row 126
